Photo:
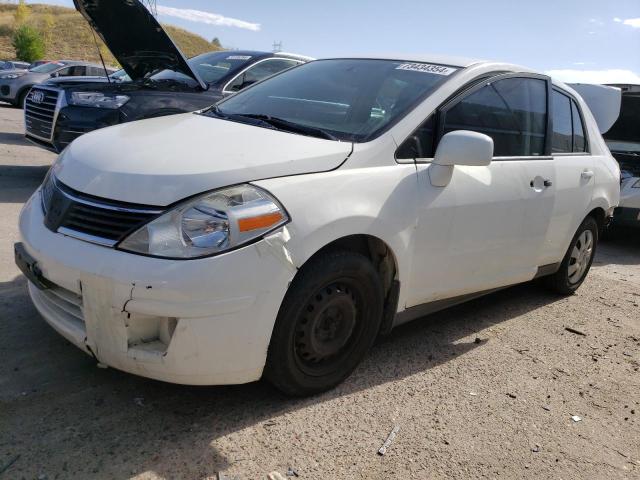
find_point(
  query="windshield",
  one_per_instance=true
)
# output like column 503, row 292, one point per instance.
column 348, row 99
column 120, row 76
column 47, row 67
column 213, row 66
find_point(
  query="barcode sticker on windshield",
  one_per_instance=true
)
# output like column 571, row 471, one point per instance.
column 238, row 57
column 426, row 68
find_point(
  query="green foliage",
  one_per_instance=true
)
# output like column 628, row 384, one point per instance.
column 28, row 43
column 22, row 13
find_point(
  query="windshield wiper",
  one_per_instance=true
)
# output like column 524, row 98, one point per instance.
column 282, row 124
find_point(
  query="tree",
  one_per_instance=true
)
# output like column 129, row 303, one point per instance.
column 216, row 43
column 48, row 27
column 22, row 13
column 28, row 43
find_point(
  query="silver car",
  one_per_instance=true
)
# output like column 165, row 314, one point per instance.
column 15, row 85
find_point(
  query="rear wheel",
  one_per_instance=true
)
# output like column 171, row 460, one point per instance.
column 578, row 259
column 328, row 320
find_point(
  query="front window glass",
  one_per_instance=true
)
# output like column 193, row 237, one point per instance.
column 512, row 111
column 347, row 99
column 47, row 67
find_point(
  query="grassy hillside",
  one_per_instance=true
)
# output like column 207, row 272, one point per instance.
column 68, row 36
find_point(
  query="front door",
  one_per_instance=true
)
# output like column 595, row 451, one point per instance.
column 488, row 226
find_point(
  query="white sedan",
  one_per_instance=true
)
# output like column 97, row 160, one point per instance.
column 280, row 232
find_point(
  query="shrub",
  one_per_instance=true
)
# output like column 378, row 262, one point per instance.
column 28, row 43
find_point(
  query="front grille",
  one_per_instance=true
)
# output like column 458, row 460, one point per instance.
column 97, row 220
column 40, row 111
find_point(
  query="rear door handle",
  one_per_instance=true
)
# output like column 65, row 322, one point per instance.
column 587, row 175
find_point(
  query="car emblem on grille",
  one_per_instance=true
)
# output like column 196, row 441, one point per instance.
column 37, row 97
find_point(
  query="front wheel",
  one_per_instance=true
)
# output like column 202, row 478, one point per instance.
column 578, row 259
column 328, row 320
column 22, row 99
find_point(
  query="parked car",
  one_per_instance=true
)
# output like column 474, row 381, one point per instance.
column 165, row 83
column 37, row 63
column 116, row 77
column 15, row 85
column 624, row 142
column 13, row 65
column 281, row 231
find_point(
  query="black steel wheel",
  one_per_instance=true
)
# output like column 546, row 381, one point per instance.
column 327, row 322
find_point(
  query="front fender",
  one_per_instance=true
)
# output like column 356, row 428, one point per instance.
column 324, row 207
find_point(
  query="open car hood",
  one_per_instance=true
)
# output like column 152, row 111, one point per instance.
column 135, row 37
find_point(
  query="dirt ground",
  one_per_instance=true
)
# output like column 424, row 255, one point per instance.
column 483, row 390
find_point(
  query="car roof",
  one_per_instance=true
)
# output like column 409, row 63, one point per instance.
column 450, row 60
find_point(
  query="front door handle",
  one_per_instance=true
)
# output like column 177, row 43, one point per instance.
column 587, row 175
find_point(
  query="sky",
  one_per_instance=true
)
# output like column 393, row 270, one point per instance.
column 575, row 40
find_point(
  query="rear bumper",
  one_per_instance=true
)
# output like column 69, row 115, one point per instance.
column 626, row 217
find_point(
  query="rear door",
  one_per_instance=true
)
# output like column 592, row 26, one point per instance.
column 575, row 180
column 486, row 229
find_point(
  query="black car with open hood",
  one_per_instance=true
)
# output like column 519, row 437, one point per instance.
column 163, row 80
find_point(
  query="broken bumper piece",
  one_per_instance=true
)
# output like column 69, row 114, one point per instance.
column 197, row 322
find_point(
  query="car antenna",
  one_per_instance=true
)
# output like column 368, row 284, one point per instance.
column 95, row 40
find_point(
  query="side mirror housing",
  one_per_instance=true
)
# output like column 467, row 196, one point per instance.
column 460, row 147
column 54, row 75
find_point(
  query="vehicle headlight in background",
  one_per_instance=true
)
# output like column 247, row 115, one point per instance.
column 97, row 99
column 209, row 224
column 11, row 76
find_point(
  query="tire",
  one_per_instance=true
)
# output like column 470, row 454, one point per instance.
column 327, row 322
column 577, row 261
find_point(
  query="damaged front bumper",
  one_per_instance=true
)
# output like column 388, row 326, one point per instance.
column 198, row 322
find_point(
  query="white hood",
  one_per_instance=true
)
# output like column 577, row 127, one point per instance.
column 163, row 160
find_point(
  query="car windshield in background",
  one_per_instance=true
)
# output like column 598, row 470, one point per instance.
column 47, row 67
column 345, row 99
column 213, row 66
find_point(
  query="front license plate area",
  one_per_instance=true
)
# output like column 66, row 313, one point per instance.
column 29, row 267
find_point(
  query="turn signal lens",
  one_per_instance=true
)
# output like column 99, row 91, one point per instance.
column 263, row 221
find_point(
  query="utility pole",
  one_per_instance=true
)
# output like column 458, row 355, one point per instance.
column 277, row 46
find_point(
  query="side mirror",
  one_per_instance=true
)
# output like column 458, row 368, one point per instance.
column 54, row 75
column 460, row 147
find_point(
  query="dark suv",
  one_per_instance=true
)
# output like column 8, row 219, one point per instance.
column 163, row 81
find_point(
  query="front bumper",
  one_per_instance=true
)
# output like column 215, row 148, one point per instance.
column 198, row 322
column 72, row 122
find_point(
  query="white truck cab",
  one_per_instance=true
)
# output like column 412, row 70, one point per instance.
column 281, row 231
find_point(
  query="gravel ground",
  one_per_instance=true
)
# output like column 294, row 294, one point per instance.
column 483, row 390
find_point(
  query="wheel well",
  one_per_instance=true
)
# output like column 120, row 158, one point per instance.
column 383, row 259
column 599, row 215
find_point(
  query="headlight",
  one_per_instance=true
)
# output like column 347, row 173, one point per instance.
column 11, row 76
column 97, row 99
column 209, row 224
